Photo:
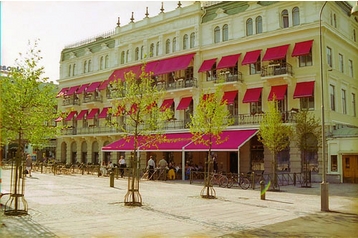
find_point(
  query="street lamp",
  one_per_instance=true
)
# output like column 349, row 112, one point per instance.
column 324, row 185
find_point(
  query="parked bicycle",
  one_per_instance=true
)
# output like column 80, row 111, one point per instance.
column 219, row 179
column 241, row 181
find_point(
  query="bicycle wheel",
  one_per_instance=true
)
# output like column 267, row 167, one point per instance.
column 223, row 181
column 244, row 183
column 230, row 182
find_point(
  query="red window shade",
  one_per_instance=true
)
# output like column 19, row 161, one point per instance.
column 62, row 92
column 302, row 48
column 93, row 87
column 93, row 113
column 173, row 64
column 167, row 103
column 304, row 89
column 103, row 113
column 252, row 95
column 228, row 61
column 229, row 97
column 278, row 91
column 82, row 88
column 251, row 57
column 72, row 90
column 207, row 65
column 71, row 115
column 276, row 53
column 82, row 114
column 184, row 103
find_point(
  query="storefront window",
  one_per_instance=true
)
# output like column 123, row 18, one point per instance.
column 334, row 165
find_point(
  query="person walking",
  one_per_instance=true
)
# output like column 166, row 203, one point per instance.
column 29, row 164
column 122, row 165
column 151, row 166
column 163, row 164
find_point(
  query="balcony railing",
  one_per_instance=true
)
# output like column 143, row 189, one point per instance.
column 177, row 84
column 92, row 98
column 254, row 119
column 227, row 77
column 276, row 69
column 71, row 101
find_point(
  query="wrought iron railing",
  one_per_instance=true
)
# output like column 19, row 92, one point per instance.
column 276, row 69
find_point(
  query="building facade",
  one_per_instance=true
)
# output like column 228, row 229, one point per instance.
column 261, row 49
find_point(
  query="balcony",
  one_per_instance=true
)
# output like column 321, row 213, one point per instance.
column 270, row 70
column 228, row 77
column 179, row 83
column 90, row 97
column 71, row 102
column 255, row 119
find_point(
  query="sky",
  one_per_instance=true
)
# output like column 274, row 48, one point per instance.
column 59, row 23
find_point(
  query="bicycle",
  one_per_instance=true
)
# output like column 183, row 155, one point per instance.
column 219, row 179
column 241, row 181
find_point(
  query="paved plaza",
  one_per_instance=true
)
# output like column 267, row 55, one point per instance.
column 86, row 206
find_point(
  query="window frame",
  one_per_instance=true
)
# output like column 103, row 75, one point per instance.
column 225, row 32
column 296, row 16
column 329, row 56
column 185, row 41
column 217, row 34
column 258, row 24
column 341, row 62
column 249, row 27
column 344, row 101
column 192, row 40
column 332, row 97
column 285, row 19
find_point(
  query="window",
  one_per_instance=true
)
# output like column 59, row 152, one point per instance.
column 354, row 35
column 69, row 70
column 233, row 108
column 334, row 163
column 174, row 44
column 89, row 66
column 151, row 50
column 73, row 69
column 256, row 67
column 350, row 66
column 354, row 106
column 217, row 34
column 122, row 57
column 157, row 49
column 192, row 40
column 329, row 56
column 127, row 56
column 249, row 28
column 85, row 66
column 341, row 68
column 225, row 32
column 332, row 97
column 284, row 17
column 142, row 52
column 136, row 54
column 335, row 20
column 307, row 103
column 295, row 16
column 185, row 42
column 258, row 25
column 256, row 107
column 344, row 102
column 167, row 46
column 106, row 62
column 101, row 63
column 306, row 60
column 283, row 159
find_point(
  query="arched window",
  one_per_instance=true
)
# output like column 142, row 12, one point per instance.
column 295, row 16
column 85, row 66
column 185, row 42
column 101, row 63
column 142, row 52
column 354, row 35
column 136, row 54
column 192, row 40
column 69, row 70
column 89, row 66
column 249, row 27
column 167, row 46
column 217, row 34
column 174, row 44
column 106, row 62
column 122, row 57
column 157, row 49
column 73, row 69
column 151, row 50
column 127, row 56
column 258, row 25
column 284, row 18
column 225, row 32
column 335, row 20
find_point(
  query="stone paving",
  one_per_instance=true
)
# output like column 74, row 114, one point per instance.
column 86, row 206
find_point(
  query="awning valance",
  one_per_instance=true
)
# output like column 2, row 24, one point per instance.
column 304, row 89
column 302, row 48
column 251, row 57
column 228, row 61
column 276, row 53
column 252, row 95
column 279, row 92
column 207, row 65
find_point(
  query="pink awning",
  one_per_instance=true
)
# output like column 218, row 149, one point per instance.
column 279, row 91
column 124, row 144
column 304, row 89
column 72, row 90
column 228, row 61
column 120, row 73
column 251, row 57
column 62, row 92
column 173, row 64
column 103, row 85
column 252, row 95
column 229, row 97
column 276, row 53
column 59, row 119
column 207, row 65
column 167, row 103
column 169, row 142
column 103, row 113
column 93, row 113
column 184, row 103
column 82, row 114
column 302, row 48
column 232, row 141
column 93, row 87
column 82, row 88
column 71, row 115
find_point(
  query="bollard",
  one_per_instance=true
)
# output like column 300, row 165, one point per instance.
column 294, row 179
column 111, row 179
column 42, row 166
column 262, row 190
column 116, row 171
column 253, row 180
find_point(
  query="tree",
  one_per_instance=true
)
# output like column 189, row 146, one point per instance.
column 308, row 137
column 274, row 134
column 28, row 111
column 210, row 119
column 137, row 116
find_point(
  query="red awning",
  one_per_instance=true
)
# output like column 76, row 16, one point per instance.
column 151, row 66
column 229, row 97
column 232, row 141
column 104, row 85
column 59, row 119
column 184, row 103
column 276, row 53
column 251, row 57
column 103, row 113
column 207, row 65
column 304, row 89
column 71, row 115
column 170, row 142
column 120, row 73
column 82, row 114
column 302, row 48
column 173, row 64
column 92, row 113
column 252, row 95
column 228, row 61
column 279, row 91
column 72, row 90
column 62, row 92
column 125, row 144
column 93, row 87
column 82, row 88
column 167, row 103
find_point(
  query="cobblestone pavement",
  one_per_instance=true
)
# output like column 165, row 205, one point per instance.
column 86, row 206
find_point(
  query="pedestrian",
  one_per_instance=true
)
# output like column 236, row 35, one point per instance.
column 150, row 167
column 122, row 165
column 215, row 162
column 29, row 164
column 163, row 165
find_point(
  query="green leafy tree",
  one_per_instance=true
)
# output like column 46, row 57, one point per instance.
column 28, row 108
column 137, row 116
column 308, row 137
column 274, row 134
column 210, row 119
